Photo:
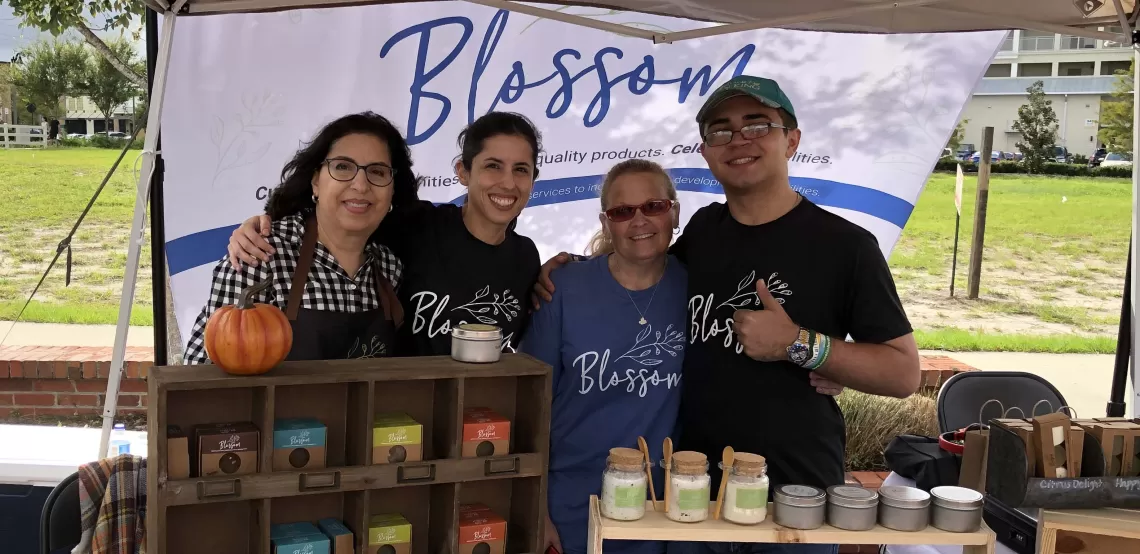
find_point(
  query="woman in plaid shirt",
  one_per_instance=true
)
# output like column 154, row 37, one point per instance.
column 334, row 282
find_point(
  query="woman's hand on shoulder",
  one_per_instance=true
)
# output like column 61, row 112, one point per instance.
column 248, row 243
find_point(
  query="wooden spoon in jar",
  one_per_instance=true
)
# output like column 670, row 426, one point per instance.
column 727, row 463
column 648, row 469
column 668, row 455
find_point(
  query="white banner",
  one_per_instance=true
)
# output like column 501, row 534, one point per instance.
column 245, row 90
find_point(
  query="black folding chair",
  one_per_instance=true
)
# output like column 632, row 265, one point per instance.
column 60, row 527
column 965, row 399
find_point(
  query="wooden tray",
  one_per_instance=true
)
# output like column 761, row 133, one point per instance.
column 233, row 514
column 655, row 526
column 1088, row 531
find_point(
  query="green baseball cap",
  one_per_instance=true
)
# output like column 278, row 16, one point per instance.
column 765, row 91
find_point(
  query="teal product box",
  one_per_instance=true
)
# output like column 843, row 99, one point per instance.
column 298, row 444
column 338, row 534
column 298, row 538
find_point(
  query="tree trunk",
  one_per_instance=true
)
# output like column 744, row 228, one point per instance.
column 97, row 43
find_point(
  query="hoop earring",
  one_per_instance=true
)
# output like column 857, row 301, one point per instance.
column 314, row 199
column 389, row 208
column 676, row 230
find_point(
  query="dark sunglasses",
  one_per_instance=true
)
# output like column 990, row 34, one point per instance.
column 619, row 214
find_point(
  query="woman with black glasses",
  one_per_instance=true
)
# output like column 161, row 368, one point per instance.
column 334, row 282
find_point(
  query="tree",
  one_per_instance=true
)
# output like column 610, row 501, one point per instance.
column 105, row 85
column 57, row 16
column 1116, row 114
column 1037, row 124
column 47, row 71
column 957, row 136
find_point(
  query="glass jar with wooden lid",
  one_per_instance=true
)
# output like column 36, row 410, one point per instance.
column 623, row 485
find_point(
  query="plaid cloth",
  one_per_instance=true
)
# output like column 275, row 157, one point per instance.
column 112, row 506
column 328, row 288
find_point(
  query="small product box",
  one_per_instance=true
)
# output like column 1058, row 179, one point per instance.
column 389, row 534
column 298, row 444
column 297, row 538
column 1052, row 434
column 339, row 535
column 485, row 433
column 1113, row 442
column 396, row 437
column 177, row 453
column 226, row 449
column 481, row 531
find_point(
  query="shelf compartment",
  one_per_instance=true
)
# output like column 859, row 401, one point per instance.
column 331, row 404
column 519, row 501
column 431, row 509
column 224, row 528
column 523, row 400
column 432, row 403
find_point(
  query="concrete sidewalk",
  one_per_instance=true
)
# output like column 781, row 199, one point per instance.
column 56, row 334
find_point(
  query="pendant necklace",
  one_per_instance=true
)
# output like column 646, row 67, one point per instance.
column 643, row 321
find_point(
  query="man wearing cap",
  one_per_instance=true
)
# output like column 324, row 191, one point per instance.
column 776, row 285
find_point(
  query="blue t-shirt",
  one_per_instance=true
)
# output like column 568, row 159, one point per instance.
column 614, row 380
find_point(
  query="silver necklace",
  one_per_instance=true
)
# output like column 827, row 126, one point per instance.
column 643, row 321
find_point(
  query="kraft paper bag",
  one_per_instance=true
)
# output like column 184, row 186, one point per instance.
column 973, row 475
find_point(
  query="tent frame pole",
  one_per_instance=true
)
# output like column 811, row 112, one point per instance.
column 134, row 246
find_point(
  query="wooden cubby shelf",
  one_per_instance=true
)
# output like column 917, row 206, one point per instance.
column 233, row 514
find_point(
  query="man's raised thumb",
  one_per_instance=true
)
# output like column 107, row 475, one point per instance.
column 766, row 297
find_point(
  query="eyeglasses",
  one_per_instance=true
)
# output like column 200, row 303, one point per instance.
column 749, row 132
column 619, row 214
column 378, row 174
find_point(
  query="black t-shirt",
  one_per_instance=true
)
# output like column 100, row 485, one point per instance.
column 450, row 277
column 830, row 276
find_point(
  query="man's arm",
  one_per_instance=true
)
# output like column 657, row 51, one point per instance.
column 887, row 369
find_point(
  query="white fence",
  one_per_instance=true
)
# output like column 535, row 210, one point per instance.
column 22, row 136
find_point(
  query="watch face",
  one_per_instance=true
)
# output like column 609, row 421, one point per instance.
column 798, row 353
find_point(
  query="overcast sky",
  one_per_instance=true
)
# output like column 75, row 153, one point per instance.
column 13, row 37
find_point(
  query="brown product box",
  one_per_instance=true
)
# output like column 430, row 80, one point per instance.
column 1130, row 454
column 226, row 449
column 1076, row 450
column 481, row 531
column 1112, row 440
column 177, row 453
column 1024, row 430
column 1052, row 433
column 485, row 433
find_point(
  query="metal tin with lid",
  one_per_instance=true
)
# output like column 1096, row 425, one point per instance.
column 799, row 506
column 904, row 508
column 956, row 509
column 852, row 508
column 476, row 343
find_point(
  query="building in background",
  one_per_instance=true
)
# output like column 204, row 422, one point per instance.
column 1078, row 74
column 84, row 118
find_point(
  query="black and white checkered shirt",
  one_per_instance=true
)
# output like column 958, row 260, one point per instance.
column 328, row 288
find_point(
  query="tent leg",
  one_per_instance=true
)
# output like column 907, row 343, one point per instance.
column 1135, row 244
column 134, row 247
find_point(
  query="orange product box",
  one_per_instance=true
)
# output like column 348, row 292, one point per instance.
column 485, row 433
column 478, row 526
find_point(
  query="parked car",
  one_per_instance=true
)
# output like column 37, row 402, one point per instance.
column 1097, row 157
column 1061, row 154
column 964, row 151
column 995, row 156
column 1114, row 160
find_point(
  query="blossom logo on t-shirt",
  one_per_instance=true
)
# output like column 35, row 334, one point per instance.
column 706, row 326
column 374, row 348
column 648, row 351
column 486, row 307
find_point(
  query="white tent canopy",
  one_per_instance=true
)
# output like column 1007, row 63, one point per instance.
column 1071, row 17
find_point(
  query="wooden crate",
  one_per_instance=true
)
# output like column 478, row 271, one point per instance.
column 1088, row 531
column 655, row 526
column 232, row 515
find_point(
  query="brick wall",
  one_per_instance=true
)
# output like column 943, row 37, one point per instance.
column 55, row 380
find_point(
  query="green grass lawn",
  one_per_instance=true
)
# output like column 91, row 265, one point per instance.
column 1051, row 278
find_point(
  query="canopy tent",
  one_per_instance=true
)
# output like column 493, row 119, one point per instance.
column 1079, row 18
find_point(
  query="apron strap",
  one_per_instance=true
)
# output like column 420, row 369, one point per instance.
column 301, row 274
column 393, row 310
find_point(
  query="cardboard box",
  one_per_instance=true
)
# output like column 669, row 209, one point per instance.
column 1024, row 430
column 298, row 444
column 297, row 538
column 1113, row 442
column 396, row 437
column 339, row 535
column 1076, row 450
column 177, row 453
column 485, row 433
column 226, row 449
column 389, row 534
column 481, row 531
column 1052, row 433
